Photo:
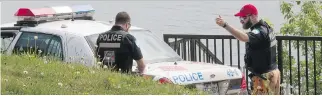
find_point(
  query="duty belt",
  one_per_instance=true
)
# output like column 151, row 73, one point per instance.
column 255, row 74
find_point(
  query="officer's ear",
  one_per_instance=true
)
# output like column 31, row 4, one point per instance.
column 128, row 25
column 253, row 17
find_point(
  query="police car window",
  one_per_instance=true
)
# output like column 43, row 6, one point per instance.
column 6, row 39
column 54, row 48
column 5, row 42
column 92, row 41
column 39, row 43
column 153, row 48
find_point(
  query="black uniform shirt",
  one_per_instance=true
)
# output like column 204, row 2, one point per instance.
column 261, row 48
column 126, row 53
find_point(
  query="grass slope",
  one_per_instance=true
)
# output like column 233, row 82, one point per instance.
column 26, row 74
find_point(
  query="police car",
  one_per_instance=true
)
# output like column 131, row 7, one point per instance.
column 69, row 33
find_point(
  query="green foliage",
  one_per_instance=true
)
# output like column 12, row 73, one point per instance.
column 268, row 22
column 30, row 75
column 307, row 22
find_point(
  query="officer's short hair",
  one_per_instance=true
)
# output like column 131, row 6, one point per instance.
column 122, row 18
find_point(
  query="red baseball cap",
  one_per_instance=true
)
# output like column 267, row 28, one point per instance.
column 246, row 10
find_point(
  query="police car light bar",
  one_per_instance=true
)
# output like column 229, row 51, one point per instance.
column 55, row 13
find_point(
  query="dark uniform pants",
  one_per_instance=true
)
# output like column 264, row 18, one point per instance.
column 271, row 86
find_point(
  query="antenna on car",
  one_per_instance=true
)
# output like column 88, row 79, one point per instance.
column 73, row 17
column 111, row 21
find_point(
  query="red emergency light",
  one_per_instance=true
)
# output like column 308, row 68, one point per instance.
column 34, row 16
column 34, row 12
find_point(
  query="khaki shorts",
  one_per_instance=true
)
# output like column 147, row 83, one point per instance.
column 271, row 86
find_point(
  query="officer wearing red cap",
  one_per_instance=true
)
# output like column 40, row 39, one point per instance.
column 260, row 57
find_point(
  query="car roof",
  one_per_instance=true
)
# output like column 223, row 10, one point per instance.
column 76, row 27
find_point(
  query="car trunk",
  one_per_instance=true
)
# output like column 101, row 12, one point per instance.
column 215, row 78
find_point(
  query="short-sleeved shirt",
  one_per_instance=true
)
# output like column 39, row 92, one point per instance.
column 261, row 48
column 127, row 51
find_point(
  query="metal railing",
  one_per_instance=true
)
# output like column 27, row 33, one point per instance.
column 204, row 48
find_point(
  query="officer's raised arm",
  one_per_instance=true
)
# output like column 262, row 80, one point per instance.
column 238, row 34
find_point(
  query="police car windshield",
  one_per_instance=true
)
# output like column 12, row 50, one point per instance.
column 153, row 49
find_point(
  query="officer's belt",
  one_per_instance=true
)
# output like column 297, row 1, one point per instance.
column 256, row 74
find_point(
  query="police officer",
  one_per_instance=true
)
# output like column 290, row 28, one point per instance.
column 117, row 48
column 260, row 57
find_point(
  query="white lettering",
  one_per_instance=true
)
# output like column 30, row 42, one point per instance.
column 119, row 37
column 190, row 77
column 111, row 37
column 108, row 38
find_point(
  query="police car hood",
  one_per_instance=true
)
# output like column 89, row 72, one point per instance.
column 187, row 72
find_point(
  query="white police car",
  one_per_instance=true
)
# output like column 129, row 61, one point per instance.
column 70, row 33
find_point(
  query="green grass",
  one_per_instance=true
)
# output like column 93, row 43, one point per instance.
column 26, row 74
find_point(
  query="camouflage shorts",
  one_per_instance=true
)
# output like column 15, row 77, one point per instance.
column 271, row 86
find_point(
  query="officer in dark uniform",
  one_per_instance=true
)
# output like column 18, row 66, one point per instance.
column 260, row 57
column 117, row 48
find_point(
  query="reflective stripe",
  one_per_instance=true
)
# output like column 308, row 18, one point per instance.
column 273, row 43
column 272, row 35
column 110, row 45
column 273, row 39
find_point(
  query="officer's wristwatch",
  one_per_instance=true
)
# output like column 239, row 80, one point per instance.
column 225, row 25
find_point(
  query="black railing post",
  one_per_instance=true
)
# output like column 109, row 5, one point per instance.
column 193, row 49
column 184, row 50
column 178, row 49
column 223, row 51
column 199, row 50
column 207, row 54
column 195, row 45
column 238, row 54
column 189, row 50
column 298, row 66
column 306, row 69
column 280, row 58
column 231, row 53
column 215, row 50
column 175, row 45
column 290, row 59
column 314, row 67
